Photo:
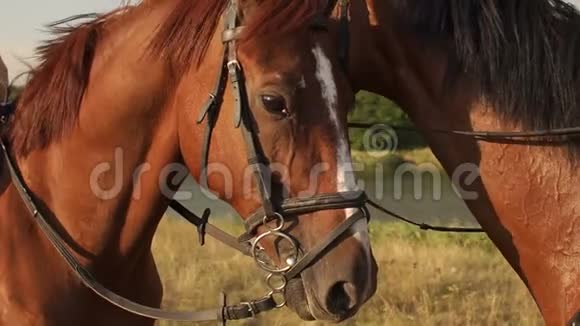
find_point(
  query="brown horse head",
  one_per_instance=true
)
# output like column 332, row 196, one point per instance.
column 298, row 100
column 135, row 82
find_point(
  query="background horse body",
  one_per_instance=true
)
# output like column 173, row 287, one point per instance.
column 499, row 66
column 114, row 104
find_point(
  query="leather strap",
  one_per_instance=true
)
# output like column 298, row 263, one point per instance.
column 322, row 246
column 343, row 28
column 424, row 226
column 344, row 34
column 242, row 115
column 524, row 137
column 211, row 112
column 211, row 230
column 248, row 309
column 257, row 164
column 232, row 64
column 298, row 206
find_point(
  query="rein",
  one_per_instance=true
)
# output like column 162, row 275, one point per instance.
column 487, row 136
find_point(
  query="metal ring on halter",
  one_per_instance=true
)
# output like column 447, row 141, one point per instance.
column 271, row 295
column 265, row 266
column 281, row 287
column 280, row 224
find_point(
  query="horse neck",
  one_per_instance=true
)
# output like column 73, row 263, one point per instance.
column 101, row 180
column 412, row 74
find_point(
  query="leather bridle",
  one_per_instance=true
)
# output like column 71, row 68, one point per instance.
column 272, row 215
column 343, row 29
column 524, row 137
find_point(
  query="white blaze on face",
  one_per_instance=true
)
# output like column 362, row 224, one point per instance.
column 345, row 178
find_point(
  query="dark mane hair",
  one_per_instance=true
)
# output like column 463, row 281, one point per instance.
column 525, row 54
column 50, row 103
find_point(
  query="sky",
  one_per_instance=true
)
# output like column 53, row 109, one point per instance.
column 22, row 24
column 22, row 21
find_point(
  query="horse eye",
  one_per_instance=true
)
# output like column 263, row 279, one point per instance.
column 275, row 104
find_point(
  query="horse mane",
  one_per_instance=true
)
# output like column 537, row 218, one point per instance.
column 184, row 37
column 49, row 104
column 525, row 54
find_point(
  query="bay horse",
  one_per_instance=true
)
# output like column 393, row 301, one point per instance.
column 511, row 67
column 92, row 146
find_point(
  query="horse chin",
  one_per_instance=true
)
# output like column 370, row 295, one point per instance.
column 296, row 299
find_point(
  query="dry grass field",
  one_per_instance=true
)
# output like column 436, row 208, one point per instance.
column 425, row 279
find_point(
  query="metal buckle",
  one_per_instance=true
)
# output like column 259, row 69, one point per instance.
column 251, row 309
column 233, row 64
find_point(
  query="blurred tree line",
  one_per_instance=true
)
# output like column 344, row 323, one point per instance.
column 372, row 108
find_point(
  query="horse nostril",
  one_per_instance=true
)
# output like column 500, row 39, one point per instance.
column 342, row 298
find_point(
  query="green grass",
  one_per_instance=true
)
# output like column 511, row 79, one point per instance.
column 425, row 278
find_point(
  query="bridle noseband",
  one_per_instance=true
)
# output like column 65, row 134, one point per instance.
column 249, row 242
